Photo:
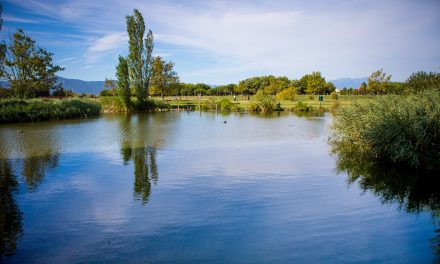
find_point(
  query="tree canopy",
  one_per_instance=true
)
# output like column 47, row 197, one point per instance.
column 163, row 77
column 29, row 68
column 140, row 55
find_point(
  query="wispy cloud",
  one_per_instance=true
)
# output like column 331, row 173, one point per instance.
column 9, row 18
column 109, row 42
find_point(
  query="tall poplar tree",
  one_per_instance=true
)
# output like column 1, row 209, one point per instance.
column 139, row 57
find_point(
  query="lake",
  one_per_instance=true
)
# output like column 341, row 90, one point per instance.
column 188, row 187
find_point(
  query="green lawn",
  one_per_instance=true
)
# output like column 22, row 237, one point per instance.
column 244, row 101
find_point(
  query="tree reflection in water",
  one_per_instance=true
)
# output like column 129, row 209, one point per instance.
column 414, row 191
column 139, row 141
column 10, row 214
column 145, row 170
column 37, row 153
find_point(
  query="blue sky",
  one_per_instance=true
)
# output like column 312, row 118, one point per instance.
column 220, row 42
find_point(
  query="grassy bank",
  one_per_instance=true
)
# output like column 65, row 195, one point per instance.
column 17, row 110
column 400, row 130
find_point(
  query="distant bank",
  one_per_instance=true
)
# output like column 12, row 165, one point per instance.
column 95, row 87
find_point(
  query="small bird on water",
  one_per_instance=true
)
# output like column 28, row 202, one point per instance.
column 225, row 122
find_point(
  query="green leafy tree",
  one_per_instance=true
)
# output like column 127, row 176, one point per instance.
column 2, row 47
column 314, row 83
column 163, row 77
column 123, row 81
column 140, row 55
column 288, row 94
column 330, row 87
column 29, row 68
column 421, row 81
column 379, row 82
column 363, row 88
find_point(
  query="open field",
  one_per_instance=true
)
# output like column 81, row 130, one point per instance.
column 245, row 101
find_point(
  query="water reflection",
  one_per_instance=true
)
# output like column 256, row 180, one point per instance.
column 413, row 191
column 36, row 153
column 141, row 135
column 10, row 214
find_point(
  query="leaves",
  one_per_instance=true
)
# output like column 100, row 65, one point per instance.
column 29, row 68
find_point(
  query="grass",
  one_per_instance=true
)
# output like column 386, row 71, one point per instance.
column 18, row 110
column 247, row 103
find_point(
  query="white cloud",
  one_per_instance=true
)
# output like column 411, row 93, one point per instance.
column 109, row 42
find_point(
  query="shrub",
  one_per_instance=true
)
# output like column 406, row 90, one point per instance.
column 287, row 94
column 265, row 101
column 334, row 96
column 302, row 107
column 15, row 110
column 225, row 104
column 210, row 105
column 237, row 108
column 254, row 107
column 395, row 129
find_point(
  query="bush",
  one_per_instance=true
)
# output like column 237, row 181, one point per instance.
column 254, row 107
column 15, row 110
column 210, row 105
column 302, row 107
column 225, row 105
column 111, row 104
column 287, row 94
column 237, row 108
column 399, row 130
column 106, row 92
column 334, row 96
column 265, row 101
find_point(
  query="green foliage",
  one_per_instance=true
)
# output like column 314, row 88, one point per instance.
column 287, row 94
column 6, row 92
column 254, row 107
column 421, row 81
column 18, row 110
column 363, row 88
column 139, row 57
column 2, row 48
column 270, row 84
column 210, row 105
column 401, row 130
column 313, row 83
column 302, row 107
column 265, row 101
column 123, row 82
column 112, row 104
column 330, row 88
column 379, row 82
column 334, row 95
column 225, row 104
column 29, row 68
column 105, row 92
column 163, row 77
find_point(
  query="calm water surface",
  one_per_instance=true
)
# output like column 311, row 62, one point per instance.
column 187, row 187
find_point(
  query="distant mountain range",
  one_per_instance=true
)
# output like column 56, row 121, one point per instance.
column 77, row 86
column 349, row 82
column 94, row 87
column 80, row 86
